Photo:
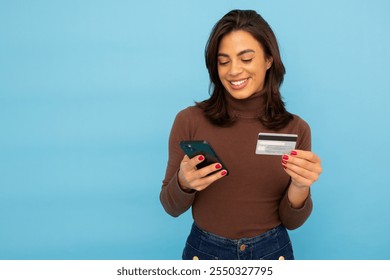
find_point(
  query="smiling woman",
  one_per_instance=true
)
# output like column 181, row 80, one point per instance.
column 241, row 49
column 243, row 215
column 242, row 71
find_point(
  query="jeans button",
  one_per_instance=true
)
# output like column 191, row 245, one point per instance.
column 195, row 258
column 242, row 247
column 281, row 258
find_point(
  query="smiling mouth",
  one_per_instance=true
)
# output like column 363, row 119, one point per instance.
column 238, row 83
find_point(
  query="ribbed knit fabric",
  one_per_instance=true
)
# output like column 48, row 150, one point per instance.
column 252, row 198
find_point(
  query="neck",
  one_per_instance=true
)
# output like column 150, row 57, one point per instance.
column 251, row 107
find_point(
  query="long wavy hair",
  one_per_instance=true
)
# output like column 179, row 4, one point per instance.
column 215, row 108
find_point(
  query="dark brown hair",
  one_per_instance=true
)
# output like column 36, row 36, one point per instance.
column 215, row 108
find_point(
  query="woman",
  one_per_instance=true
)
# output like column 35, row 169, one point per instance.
column 243, row 215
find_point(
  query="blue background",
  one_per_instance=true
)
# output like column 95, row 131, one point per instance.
column 89, row 91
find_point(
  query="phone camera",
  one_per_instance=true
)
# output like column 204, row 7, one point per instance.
column 189, row 147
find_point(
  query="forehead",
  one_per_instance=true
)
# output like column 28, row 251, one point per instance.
column 236, row 41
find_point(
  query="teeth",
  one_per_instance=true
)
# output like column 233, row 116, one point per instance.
column 237, row 83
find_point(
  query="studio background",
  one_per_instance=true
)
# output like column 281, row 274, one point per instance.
column 89, row 91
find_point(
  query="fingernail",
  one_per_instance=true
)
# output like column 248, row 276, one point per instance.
column 285, row 157
column 284, row 162
column 200, row 157
column 285, row 167
column 293, row 153
column 218, row 166
column 223, row 173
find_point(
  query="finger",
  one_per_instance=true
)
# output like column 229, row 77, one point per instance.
column 298, row 180
column 187, row 170
column 311, row 175
column 302, row 163
column 307, row 155
column 300, row 176
column 204, row 182
column 203, row 172
column 190, row 164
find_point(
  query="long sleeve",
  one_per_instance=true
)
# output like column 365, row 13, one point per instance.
column 252, row 199
column 293, row 218
column 174, row 200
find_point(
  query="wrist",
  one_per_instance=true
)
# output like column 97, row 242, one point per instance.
column 297, row 195
column 186, row 190
column 298, row 186
column 182, row 187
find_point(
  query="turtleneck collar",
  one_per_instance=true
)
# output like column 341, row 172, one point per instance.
column 251, row 107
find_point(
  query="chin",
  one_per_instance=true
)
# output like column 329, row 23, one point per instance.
column 241, row 95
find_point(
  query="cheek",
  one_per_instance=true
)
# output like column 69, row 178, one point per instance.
column 221, row 75
column 260, row 73
column 220, row 71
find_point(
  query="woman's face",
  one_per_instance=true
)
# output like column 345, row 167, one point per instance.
column 242, row 64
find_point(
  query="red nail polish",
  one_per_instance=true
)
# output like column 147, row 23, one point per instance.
column 200, row 157
column 285, row 157
column 223, row 173
column 284, row 162
column 218, row 166
column 293, row 153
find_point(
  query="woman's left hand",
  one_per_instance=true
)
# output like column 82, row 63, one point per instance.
column 304, row 167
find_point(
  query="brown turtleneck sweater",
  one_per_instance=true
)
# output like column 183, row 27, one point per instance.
column 253, row 198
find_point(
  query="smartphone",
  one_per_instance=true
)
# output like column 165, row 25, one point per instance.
column 202, row 147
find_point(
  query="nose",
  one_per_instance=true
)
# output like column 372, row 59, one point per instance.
column 235, row 68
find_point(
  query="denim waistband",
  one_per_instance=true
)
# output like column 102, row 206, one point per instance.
column 248, row 240
column 272, row 244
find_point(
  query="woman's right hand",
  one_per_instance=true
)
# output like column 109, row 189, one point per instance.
column 193, row 179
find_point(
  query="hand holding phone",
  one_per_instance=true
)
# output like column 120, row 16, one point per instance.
column 201, row 147
column 197, row 173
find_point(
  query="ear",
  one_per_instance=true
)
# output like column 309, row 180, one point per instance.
column 270, row 60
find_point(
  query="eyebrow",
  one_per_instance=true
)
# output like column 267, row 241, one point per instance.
column 239, row 54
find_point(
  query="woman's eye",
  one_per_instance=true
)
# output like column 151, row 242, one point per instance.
column 247, row 60
column 223, row 62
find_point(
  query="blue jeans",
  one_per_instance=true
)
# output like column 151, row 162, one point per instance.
column 274, row 244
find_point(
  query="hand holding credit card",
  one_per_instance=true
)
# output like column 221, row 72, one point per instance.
column 275, row 143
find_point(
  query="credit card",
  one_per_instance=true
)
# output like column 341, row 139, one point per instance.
column 275, row 143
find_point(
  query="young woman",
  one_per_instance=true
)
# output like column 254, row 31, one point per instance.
column 243, row 215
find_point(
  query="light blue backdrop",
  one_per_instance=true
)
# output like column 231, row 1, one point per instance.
column 88, row 93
